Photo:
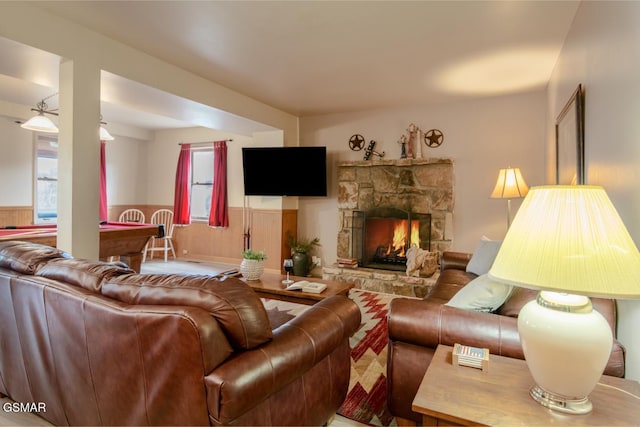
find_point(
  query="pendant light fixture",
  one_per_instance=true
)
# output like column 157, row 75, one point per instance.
column 40, row 122
column 104, row 133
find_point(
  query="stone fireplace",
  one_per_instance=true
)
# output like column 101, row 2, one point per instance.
column 381, row 204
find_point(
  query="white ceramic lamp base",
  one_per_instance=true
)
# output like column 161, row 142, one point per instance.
column 566, row 345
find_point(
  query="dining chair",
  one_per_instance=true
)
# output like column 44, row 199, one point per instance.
column 131, row 215
column 164, row 217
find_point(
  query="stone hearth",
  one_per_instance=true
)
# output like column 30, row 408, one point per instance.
column 386, row 281
column 423, row 186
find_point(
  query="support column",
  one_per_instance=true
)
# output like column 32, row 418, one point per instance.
column 79, row 159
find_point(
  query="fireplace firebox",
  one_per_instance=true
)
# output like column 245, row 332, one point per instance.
column 381, row 236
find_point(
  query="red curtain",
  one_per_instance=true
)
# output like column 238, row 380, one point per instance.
column 219, row 214
column 104, row 214
column 181, row 210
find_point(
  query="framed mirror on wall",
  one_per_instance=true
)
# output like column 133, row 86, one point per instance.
column 570, row 141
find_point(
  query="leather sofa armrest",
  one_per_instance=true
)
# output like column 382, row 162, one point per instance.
column 457, row 260
column 252, row 376
column 425, row 323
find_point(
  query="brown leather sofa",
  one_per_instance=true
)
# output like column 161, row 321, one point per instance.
column 98, row 344
column 417, row 327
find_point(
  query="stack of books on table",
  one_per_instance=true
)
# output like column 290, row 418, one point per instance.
column 347, row 262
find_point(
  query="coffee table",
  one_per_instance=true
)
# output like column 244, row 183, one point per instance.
column 270, row 286
column 500, row 397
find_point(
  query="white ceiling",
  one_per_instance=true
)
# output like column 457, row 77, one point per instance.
column 320, row 57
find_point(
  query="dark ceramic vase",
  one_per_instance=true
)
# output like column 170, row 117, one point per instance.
column 301, row 264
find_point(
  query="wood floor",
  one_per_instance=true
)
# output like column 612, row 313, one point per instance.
column 8, row 418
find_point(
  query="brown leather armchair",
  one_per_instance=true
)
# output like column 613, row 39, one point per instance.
column 417, row 327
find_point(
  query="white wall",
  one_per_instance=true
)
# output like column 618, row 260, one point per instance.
column 126, row 167
column 480, row 136
column 16, row 159
column 126, row 170
column 602, row 52
column 162, row 157
column 138, row 171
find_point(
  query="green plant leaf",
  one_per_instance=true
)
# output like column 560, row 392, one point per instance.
column 251, row 254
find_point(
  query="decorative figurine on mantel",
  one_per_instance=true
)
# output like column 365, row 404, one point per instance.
column 411, row 141
column 414, row 137
column 403, row 144
column 369, row 151
column 412, row 146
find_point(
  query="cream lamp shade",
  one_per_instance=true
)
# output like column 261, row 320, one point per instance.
column 510, row 185
column 570, row 239
column 569, row 242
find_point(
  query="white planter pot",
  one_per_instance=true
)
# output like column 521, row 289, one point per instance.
column 251, row 269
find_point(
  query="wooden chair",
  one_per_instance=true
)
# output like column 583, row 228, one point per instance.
column 129, row 215
column 165, row 217
column 132, row 215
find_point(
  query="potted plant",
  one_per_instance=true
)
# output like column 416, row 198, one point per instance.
column 252, row 265
column 301, row 249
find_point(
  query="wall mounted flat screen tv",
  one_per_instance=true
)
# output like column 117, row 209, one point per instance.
column 285, row 171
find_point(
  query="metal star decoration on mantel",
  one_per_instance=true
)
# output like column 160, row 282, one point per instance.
column 356, row 142
column 433, row 138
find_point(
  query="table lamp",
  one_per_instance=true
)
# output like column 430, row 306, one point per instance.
column 510, row 185
column 570, row 243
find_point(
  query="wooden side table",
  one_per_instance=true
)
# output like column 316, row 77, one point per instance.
column 459, row 395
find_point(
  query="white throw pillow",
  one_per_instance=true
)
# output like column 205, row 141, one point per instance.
column 483, row 256
column 481, row 294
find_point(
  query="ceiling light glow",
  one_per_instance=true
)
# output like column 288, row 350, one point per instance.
column 499, row 73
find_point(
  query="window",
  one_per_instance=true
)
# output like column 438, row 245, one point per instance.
column 201, row 183
column 46, row 179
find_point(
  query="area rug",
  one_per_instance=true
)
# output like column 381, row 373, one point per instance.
column 280, row 312
column 366, row 400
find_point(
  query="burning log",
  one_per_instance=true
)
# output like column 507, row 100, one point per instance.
column 386, row 255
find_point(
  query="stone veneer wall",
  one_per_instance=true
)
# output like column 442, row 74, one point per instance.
column 415, row 185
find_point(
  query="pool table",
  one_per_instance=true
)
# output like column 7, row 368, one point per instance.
column 123, row 239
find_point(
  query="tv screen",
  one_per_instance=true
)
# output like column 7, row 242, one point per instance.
column 285, row 171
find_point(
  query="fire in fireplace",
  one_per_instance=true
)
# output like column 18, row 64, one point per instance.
column 382, row 236
column 388, row 240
